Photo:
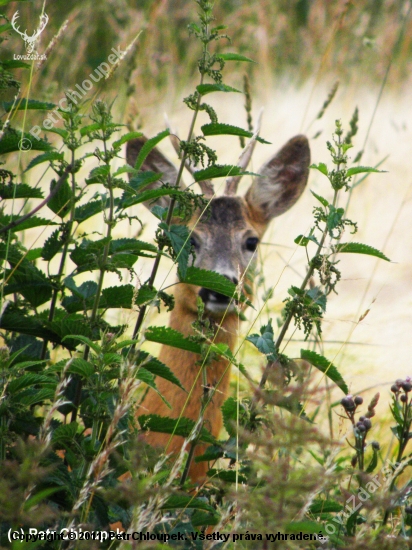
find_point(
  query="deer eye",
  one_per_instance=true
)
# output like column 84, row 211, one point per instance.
column 194, row 243
column 251, row 243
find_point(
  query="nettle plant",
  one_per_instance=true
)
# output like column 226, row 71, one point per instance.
column 71, row 450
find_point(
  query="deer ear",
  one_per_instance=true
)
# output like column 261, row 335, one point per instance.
column 282, row 180
column 154, row 162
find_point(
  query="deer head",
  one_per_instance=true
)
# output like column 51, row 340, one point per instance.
column 226, row 240
column 30, row 40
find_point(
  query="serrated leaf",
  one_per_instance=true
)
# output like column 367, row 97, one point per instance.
column 98, row 174
column 157, row 368
column 148, row 146
column 264, row 341
column 30, row 282
column 14, row 140
column 176, row 502
column 325, row 366
column 91, row 208
column 52, row 246
column 204, row 89
column 144, row 196
column 321, row 199
column 220, row 171
column 218, row 129
column 234, row 57
column 182, row 426
column 213, row 281
column 127, row 137
column 33, row 254
column 19, row 191
column 31, row 222
column 45, row 157
column 171, row 337
column 81, row 367
column 23, row 104
column 28, row 380
column 179, row 236
column 359, row 248
column 65, row 432
column 96, row 126
column 321, row 167
column 229, row 412
column 361, row 170
column 84, row 340
column 60, row 203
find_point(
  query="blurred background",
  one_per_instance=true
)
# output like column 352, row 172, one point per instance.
column 301, row 48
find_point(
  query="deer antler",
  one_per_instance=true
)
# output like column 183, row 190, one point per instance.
column 30, row 40
column 233, row 181
column 44, row 19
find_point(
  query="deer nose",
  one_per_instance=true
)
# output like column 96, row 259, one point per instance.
column 212, row 296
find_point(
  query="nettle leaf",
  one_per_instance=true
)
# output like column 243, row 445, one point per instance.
column 112, row 297
column 204, row 89
column 45, row 157
column 60, row 203
column 23, row 104
column 301, row 240
column 317, row 296
column 81, row 367
column 228, row 130
column 359, row 248
column 171, row 337
column 325, row 366
column 220, row 171
column 321, row 167
column 133, row 246
column 148, row 146
column 149, row 195
column 30, row 282
column 145, row 295
column 234, row 57
column 179, row 236
column 361, row 170
column 157, row 368
column 127, row 137
column 229, row 412
column 33, row 221
column 321, row 199
column 176, row 502
column 91, row 208
column 96, row 126
column 98, row 174
column 13, row 140
column 213, row 281
column 65, row 432
column 166, row 425
column 19, row 191
column 52, row 246
column 138, row 182
column 264, row 342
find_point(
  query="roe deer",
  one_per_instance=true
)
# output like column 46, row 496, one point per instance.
column 225, row 242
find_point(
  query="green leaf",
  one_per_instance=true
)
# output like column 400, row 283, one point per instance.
column 359, row 248
column 45, row 157
column 12, row 63
column 373, row 463
column 81, row 367
column 228, row 130
column 60, row 203
column 166, row 425
column 39, row 497
column 229, row 412
column 234, row 57
column 157, row 368
column 321, row 167
column 30, row 282
column 204, row 89
column 320, row 506
column 322, row 200
column 179, row 236
column 127, row 137
column 14, row 140
column 176, row 502
column 264, row 342
column 361, row 170
column 23, row 104
column 213, row 281
column 91, row 208
column 33, row 254
column 19, row 191
column 112, row 297
column 171, row 337
column 98, row 174
column 228, row 476
column 150, row 195
column 325, row 366
column 28, row 380
column 148, row 146
column 220, row 171
column 301, row 240
column 95, row 347
column 31, row 222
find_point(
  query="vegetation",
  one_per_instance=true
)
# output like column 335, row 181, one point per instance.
column 70, row 448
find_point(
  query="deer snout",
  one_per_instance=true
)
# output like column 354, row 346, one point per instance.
column 216, row 302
